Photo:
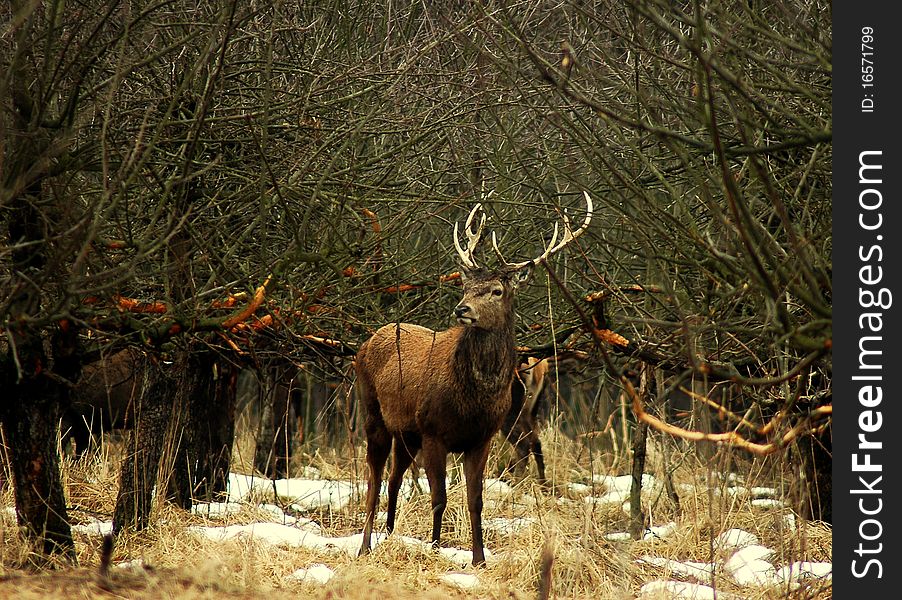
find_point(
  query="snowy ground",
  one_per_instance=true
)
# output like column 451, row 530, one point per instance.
column 745, row 560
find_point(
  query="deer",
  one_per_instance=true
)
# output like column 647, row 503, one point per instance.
column 438, row 392
column 519, row 426
column 103, row 399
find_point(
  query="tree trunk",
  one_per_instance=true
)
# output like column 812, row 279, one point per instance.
column 189, row 418
column 637, row 516
column 274, row 443
column 145, row 449
column 30, row 413
column 30, row 427
column 215, row 466
column 640, row 436
column 207, row 429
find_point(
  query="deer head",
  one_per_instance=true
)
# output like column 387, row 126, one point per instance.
column 488, row 294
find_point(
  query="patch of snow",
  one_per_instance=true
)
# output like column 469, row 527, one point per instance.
column 748, row 566
column 94, row 528
column 315, row 493
column 617, row 488
column 240, row 486
column 749, row 553
column 755, row 573
column 496, row 488
column 767, row 503
column 579, row 489
column 623, row 483
column 738, row 491
column 800, row 571
column 311, row 472
column 315, row 573
column 277, row 534
column 699, row 570
column 458, row 556
column 307, row 494
column 615, row 498
column 132, row 565
column 735, row 478
column 661, row 531
column 279, row 515
column 789, row 519
column 655, row 532
column 464, row 581
column 735, row 538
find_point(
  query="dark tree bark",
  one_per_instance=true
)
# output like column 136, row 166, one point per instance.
column 145, row 448
column 30, row 413
column 207, row 429
column 216, row 424
column 30, row 417
column 637, row 515
column 190, row 413
column 216, row 462
column 816, row 477
column 274, row 441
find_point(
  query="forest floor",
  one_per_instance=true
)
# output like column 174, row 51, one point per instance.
column 735, row 534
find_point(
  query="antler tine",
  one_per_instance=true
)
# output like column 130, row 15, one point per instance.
column 569, row 236
column 473, row 237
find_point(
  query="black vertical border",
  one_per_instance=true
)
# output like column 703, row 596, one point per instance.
column 856, row 131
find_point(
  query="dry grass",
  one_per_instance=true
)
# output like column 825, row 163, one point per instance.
column 178, row 564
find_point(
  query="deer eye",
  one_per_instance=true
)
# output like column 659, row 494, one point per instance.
column 497, row 292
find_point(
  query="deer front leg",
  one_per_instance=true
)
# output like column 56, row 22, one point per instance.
column 474, row 471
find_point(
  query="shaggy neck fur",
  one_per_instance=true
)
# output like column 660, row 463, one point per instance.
column 484, row 363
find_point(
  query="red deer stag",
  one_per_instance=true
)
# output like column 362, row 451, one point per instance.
column 445, row 391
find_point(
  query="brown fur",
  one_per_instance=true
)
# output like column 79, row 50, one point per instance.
column 520, row 426
column 445, row 391
column 103, row 398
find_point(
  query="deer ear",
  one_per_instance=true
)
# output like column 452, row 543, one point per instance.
column 522, row 276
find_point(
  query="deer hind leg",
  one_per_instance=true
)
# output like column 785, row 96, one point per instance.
column 536, row 448
column 474, row 471
column 521, row 442
column 378, row 445
column 406, row 446
column 528, row 443
column 434, row 456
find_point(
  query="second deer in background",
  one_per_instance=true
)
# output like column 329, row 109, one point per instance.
column 520, row 426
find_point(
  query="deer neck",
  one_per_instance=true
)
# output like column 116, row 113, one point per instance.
column 484, row 362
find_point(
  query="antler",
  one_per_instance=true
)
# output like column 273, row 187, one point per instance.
column 473, row 237
column 569, row 236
